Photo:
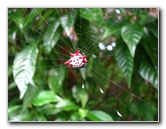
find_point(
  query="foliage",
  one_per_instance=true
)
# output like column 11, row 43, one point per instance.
column 119, row 83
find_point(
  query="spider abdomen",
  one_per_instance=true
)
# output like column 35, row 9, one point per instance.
column 76, row 60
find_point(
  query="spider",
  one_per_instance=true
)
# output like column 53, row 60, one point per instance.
column 77, row 60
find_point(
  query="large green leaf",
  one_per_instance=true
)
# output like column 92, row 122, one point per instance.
column 148, row 72
column 51, row 36
column 67, row 21
column 97, row 115
column 45, row 97
column 132, row 34
column 24, row 68
column 125, row 61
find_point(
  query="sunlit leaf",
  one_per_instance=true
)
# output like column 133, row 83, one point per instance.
column 24, row 68
column 98, row 115
column 132, row 34
column 82, row 112
column 45, row 97
column 66, row 105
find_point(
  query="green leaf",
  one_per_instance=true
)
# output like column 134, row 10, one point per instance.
column 67, row 21
column 83, row 73
column 48, row 109
column 12, row 85
column 18, row 18
column 31, row 93
column 94, row 15
column 45, row 97
column 17, row 118
column 82, row 112
column 148, row 72
column 97, row 115
column 66, row 105
column 83, row 97
column 153, row 27
column 14, row 109
column 56, row 78
column 143, row 17
column 33, row 14
column 132, row 34
column 24, row 68
column 20, row 116
column 75, row 117
column 41, row 118
column 13, row 112
column 51, row 36
column 76, row 93
column 80, row 94
column 10, row 69
column 151, row 45
column 125, row 61
column 113, row 27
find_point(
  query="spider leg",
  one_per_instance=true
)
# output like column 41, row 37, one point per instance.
column 71, row 54
column 77, row 52
column 68, row 62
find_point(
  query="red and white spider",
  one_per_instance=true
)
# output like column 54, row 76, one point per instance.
column 77, row 60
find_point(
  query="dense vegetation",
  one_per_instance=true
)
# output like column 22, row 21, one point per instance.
column 119, row 82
